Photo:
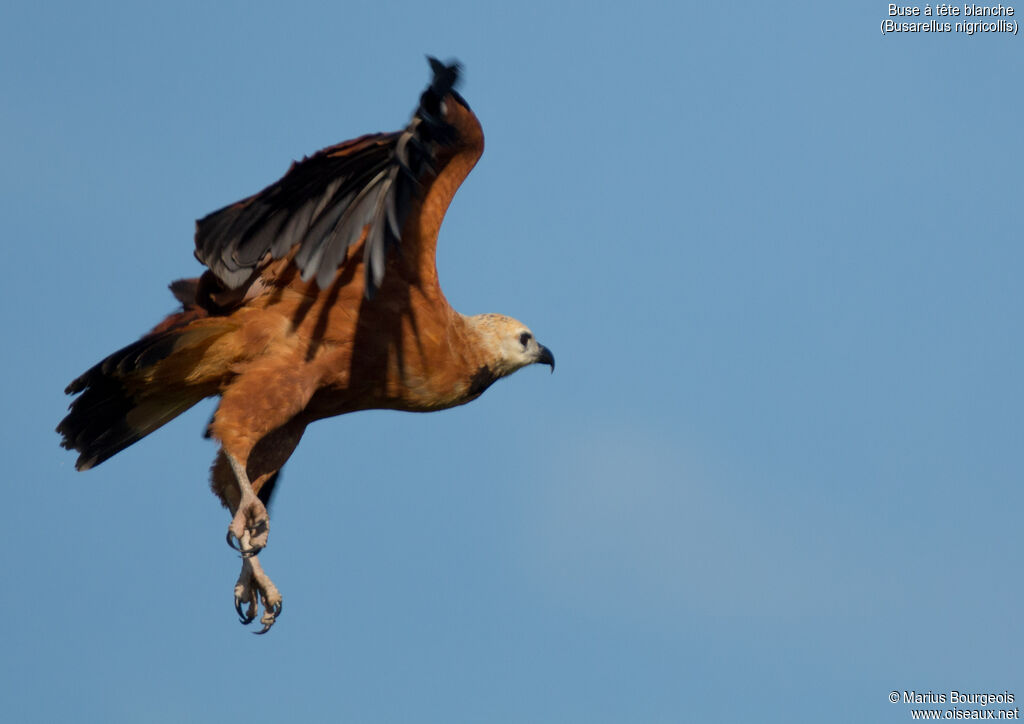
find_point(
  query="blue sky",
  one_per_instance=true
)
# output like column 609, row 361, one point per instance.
column 776, row 474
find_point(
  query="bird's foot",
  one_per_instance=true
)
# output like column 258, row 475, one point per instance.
column 250, row 527
column 254, row 589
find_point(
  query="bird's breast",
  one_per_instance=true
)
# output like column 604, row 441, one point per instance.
column 403, row 351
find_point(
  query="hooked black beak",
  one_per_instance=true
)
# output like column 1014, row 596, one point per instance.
column 545, row 357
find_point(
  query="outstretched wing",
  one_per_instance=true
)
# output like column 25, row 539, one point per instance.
column 323, row 204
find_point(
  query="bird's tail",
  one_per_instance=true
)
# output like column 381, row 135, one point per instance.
column 137, row 389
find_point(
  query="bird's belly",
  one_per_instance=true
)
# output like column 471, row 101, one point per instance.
column 393, row 384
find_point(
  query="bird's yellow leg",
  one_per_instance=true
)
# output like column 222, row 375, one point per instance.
column 250, row 527
column 254, row 588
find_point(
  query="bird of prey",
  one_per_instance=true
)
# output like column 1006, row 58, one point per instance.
column 320, row 297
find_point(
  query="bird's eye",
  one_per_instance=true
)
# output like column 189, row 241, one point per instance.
column 524, row 338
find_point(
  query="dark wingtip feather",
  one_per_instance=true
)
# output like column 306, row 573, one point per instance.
column 446, row 76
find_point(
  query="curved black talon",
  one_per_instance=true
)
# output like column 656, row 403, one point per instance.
column 231, row 543
column 266, row 627
column 246, row 553
column 243, row 618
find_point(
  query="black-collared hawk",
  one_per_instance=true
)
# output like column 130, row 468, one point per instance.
column 320, row 297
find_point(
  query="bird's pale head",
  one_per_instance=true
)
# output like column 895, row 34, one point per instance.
column 509, row 343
